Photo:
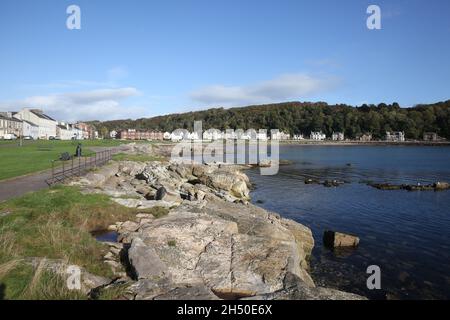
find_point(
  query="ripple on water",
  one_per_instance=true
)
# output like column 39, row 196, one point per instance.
column 402, row 232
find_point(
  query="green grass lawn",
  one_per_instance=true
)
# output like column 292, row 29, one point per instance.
column 55, row 223
column 36, row 156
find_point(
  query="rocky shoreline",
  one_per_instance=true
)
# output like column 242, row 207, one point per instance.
column 212, row 244
column 437, row 186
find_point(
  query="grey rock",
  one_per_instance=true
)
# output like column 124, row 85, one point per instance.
column 334, row 239
column 145, row 261
column 128, row 226
column 296, row 289
column 88, row 280
column 442, row 185
column 215, row 245
column 167, row 195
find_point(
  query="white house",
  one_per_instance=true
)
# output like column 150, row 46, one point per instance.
column 30, row 129
column 212, row 134
column 229, row 135
column 194, row 136
column 167, row 135
column 179, row 134
column 297, row 137
column 9, row 125
column 317, row 135
column 47, row 125
column 245, row 136
column 398, row 136
column 280, row 136
column 337, row 136
column 261, row 136
column 113, row 134
column 79, row 134
column 67, row 131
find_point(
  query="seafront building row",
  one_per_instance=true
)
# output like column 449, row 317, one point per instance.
column 213, row 134
column 35, row 124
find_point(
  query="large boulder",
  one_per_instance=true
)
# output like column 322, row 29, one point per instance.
column 193, row 192
column 168, row 195
column 128, row 226
column 235, row 251
column 303, row 238
column 130, row 168
column 334, row 239
column 145, row 261
column 201, row 170
column 183, row 170
column 239, row 189
column 227, row 180
column 441, row 186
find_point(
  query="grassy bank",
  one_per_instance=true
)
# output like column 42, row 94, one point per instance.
column 137, row 157
column 55, row 224
column 36, row 156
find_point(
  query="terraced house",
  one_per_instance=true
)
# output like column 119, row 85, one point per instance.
column 46, row 125
column 30, row 129
column 9, row 125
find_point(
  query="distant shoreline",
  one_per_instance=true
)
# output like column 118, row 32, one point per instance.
column 365, row 143
column 336, row 143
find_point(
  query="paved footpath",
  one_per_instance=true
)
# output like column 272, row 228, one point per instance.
column 19, row 186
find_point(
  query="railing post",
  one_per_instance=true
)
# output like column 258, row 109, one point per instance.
column 99, row 159
column 53, row 171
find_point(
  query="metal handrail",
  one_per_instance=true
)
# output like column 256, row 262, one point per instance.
column 70, row 168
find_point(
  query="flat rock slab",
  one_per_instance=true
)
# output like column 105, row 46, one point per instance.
column 234, row 250
column 144, row 204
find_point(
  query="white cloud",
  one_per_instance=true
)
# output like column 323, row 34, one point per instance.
column 101, row 104
column 281, row 88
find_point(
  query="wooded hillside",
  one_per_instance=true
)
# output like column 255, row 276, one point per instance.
column 297, row 117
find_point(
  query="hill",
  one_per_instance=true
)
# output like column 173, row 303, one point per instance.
column 304, row 117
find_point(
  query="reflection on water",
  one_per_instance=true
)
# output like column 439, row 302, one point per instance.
column 406, row 233
column 105, row 236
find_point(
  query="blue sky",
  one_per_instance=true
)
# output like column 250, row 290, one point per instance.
column 139, row 58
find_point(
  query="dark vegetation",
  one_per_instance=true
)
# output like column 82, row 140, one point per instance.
column 297, row 117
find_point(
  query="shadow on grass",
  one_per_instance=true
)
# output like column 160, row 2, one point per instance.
column 2, row 291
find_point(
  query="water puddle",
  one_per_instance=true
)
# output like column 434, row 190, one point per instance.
column 105, row 235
